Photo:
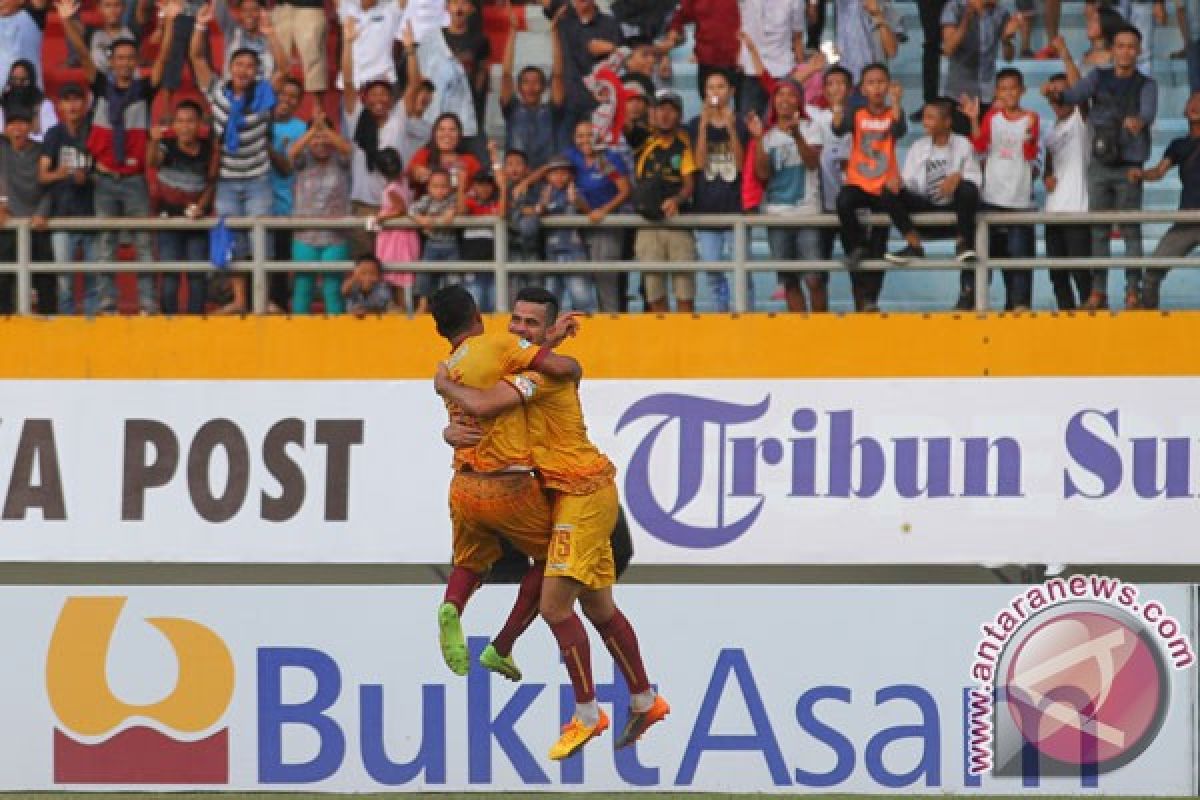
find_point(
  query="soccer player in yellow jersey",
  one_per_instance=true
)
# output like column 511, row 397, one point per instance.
column 493, row 492
column 580, row 480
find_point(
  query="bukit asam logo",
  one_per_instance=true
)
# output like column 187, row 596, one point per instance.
column 1073, row 677
column 101, row 739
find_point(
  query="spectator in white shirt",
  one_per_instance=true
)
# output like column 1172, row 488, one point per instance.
column 1067, row 146
column 941, row 172
column 777, row 29
column 1008, row 141
column 377, row 28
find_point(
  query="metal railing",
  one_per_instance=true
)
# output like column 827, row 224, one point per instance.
column 741, row 264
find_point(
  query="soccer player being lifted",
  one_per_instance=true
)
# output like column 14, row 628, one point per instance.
column 580, row 481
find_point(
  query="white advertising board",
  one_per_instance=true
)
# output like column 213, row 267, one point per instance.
column 738, row 472
column 773, row 689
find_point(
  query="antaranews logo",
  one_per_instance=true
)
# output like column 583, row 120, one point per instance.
column 102, row 739
column 1073, row 678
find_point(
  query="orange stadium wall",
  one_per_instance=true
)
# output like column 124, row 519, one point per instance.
column 634, row 346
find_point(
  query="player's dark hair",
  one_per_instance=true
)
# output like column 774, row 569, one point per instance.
column 1127, row 28
column 294, row 82
column 1011, row 72
column 454, row 310
column 368, row 258
column 190, row 105
column 524, row 70
column 1058, row 76
column 542, row 297
column 518, row 152
column 876, row 66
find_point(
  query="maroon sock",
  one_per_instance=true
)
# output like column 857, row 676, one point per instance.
column 576, row 656
column 524, row 610
column 461, row 584
column 622, row 642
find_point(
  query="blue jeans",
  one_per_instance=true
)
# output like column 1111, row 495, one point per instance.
column 578, row 291
column 716, row 245
column 124, row 197
column 244, row 197
column 183, row 246
column 426, row 283
column 789, row 244
column 65, row 245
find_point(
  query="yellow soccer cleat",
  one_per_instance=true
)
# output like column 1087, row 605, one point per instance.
column 575, row 735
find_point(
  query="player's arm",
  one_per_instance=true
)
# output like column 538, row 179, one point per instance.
column 483, row 403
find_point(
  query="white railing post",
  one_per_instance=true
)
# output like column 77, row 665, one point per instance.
column 741, row 277
column 258, row 270
column 982, row 283
column 24, row 273
column 501, row 271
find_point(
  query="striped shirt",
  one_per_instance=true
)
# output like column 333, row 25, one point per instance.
column 251, row 159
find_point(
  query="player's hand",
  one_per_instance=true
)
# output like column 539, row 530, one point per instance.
column 408, row 39
column 441, row 379
column 950, row 184
column 67, row 8
column 349, row 29
column 1160, row 13
column 670, row 207
column 1134, row 125
column 896, row 92
column 157, row 133
column 1051, row 183
column 37, row 222
column 204, row 16
column 462, row 432
column 1136, row 174
column 1059, row 43
column 596, row 216
column 565, row 326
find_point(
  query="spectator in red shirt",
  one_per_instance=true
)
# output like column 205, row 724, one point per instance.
column 717, row 24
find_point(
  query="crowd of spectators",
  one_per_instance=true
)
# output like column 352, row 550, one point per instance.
column 789, row 126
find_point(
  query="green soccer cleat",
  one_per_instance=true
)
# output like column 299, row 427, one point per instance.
column 450, row 638
column 501, row 665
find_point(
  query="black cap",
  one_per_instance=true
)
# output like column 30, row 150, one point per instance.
column 18, row 112
column 669, row 96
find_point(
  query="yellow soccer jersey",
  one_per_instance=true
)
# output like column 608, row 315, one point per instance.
column 562, row 451
column 479, row 362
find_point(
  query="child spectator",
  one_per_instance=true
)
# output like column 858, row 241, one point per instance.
column 286, row 128
column 480, row 199
column 321, row 159
column 250, row 28
column 564, row 245
column 396, row 245
column 865, row 285
column 973, row 33
column 1067, row 144
column 941, row 173
column 65, row 171
column 872, row 173
column 786, row 161
column 117, row 141
column 1182, row 237
column 531, row 125
column 602, row 183
column 23, row 89
column 1007, row 140
column 185, row 189
column 21, row 195
column 377, row 26
column 433, row 212
column 364, row 291
column 666, row 173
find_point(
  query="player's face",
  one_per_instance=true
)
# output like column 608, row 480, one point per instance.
column 558, row 177
column 636, row 108
column 378, row 101
column 122, row 62
column 71, row 108
column 185, row 124
column 242, row 71
column 1008, row 93
column 787, row 103
column 717, row 87
column 528, row 321
column 439, row 186
column 447, row 136
column 1125, row 50
column 666, row 116
column 110, row 11
column 515, row 168
column 17, row 131
column 641, row 60
column 250, row 12
column 585, row 137
column 874, row 86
